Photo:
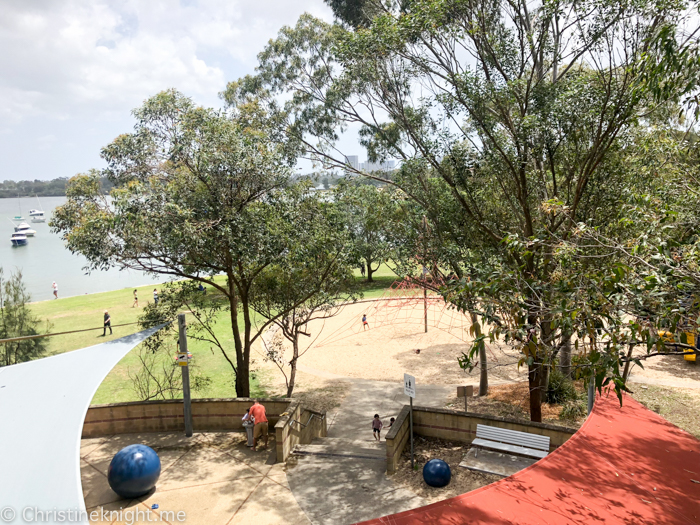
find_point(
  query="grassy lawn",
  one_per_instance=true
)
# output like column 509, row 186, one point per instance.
column 86, row 311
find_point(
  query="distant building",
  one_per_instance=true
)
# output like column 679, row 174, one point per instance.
column 353, row 161
column 368, row 166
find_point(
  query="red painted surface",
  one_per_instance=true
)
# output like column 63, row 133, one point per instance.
column 625, row 465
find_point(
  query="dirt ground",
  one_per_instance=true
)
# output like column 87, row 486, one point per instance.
column 668, row 368
column 340, row 347
column 512, row 401
column 677, row 405
column 463, row 480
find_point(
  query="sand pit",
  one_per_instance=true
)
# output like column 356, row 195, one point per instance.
column 340, row 347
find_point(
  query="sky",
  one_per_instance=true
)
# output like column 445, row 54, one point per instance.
column 72, row 71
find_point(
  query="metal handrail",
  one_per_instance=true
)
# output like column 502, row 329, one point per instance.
column 304, row 425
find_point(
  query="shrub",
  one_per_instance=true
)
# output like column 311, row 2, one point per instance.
column 560, row 389
column 573, row 410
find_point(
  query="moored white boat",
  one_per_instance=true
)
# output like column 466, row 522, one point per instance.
column 38, row 214
column 18, row 239
column 24, row 228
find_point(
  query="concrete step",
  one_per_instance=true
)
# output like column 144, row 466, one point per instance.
column 343, row 448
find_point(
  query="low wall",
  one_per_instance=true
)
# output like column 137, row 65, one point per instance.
column 298, row 426
column 397, row 438
column 167, row 416
column 458, row 426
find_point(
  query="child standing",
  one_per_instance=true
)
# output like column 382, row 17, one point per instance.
column 365, row 326
column 377, row 427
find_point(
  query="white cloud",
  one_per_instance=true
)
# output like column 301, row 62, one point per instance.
column 68, row 58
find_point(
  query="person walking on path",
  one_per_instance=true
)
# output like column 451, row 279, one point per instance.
column 136, row 299
column 365, row 325
column 257, row 412
column 155, row 296
column 377, row 427
column 55, row 290
column 108, row 324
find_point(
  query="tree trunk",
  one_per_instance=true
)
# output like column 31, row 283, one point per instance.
column 242, row 370
column 293, row 365
column 243, row 375
column 628, row 364
column 534, row 378
column 370, row 271
column 484, row 375
column 565, row 356
column 544, row 381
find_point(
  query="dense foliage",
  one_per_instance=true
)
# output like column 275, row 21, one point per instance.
column 17, row 320
column 200, row 193
column 518, row 128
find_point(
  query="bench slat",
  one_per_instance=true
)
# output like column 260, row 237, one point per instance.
column 512, row 437
column 504, row 447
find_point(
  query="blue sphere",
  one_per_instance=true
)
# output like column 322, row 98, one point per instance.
column 437, row 473
column 134, row 471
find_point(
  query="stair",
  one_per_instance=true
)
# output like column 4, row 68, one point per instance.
column 343, row 448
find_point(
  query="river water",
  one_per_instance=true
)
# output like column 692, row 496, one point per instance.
column 45, row 258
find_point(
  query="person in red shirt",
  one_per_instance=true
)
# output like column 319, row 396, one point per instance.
column 257, row 412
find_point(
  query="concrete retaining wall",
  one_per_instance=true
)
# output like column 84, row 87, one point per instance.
column 208, row 415
column 298, row 426
column 458, row 426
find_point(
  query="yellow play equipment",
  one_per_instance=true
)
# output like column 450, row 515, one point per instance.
column 688, row 355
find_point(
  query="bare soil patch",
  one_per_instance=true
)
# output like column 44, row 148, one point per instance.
column 341, row 347
column 669, row 368
column 677, row 405
column 463, row 480
column 512, row 401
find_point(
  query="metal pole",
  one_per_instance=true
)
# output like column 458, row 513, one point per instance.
column 185, row 376
column 591, row 394
column 411, row 416
column 425, row 308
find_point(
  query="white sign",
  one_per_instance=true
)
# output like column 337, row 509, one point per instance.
column 409, row 385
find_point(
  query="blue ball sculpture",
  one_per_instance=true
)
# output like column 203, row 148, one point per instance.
column 134, row 471
column 437, row 473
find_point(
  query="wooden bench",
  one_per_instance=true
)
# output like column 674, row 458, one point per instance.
column 510, row 441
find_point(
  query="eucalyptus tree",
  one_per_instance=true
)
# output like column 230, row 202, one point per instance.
column 312, row 283
column 198, row 193
column 369, row 216
column 516, row 108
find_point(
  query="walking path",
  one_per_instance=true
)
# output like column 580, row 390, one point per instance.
column 342, row 479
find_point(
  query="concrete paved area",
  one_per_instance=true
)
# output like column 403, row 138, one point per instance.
column 366, row 398
column 213, row 477
column 342, row 479
column 345, row 490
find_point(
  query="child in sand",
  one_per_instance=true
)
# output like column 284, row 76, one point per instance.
column 365, row 326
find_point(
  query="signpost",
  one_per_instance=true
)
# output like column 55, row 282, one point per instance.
column 183, row 360
column 409, row 388
column 466, row 392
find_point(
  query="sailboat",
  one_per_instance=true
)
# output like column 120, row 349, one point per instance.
column 19, row 204
column 38, row 214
